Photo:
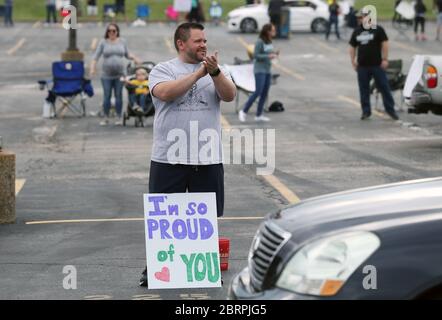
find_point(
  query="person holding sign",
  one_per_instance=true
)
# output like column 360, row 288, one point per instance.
column 186, row 93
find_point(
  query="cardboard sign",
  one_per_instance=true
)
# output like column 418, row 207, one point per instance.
column 182, row 248
column 182, row 5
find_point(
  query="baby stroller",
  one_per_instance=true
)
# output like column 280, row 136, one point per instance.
column 149, row 108
column 396, row 80
column 68, row 83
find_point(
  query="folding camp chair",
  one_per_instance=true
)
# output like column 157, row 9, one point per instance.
column 67, row 86
column 143, row 13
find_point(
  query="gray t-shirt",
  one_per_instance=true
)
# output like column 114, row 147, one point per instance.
column 188, row 129
column 113, row 58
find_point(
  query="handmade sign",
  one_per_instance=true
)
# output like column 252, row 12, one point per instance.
column 182, row 248
column 182, row 5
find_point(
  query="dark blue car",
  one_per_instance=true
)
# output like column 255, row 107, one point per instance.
column 383, row 242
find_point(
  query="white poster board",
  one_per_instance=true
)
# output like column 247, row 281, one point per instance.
column 59, row 4
column 414, row 75
column 406, row 10
column 182, row 247
column 182, row 5
column 243, row 76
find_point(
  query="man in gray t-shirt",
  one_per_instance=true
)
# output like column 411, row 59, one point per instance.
column 186, row 93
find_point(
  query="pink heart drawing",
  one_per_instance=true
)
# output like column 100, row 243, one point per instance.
column 164, row 275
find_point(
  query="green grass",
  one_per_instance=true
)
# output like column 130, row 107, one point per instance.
column 33, row 10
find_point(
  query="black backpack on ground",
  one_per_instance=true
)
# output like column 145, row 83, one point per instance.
column 276, row 106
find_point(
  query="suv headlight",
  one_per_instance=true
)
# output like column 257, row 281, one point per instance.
column 322, row 267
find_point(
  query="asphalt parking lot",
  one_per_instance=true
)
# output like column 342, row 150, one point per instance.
column 81, row 200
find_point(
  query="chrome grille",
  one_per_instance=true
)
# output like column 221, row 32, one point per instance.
column 267, row 242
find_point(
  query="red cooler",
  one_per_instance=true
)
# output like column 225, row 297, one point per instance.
column 224, row 249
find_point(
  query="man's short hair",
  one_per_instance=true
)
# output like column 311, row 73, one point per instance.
column 183, row 32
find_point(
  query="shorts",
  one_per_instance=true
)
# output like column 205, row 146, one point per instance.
column 180, row 178
column 92, row 10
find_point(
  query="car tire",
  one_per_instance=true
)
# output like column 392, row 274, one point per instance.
column 319, row 25
column 249, row 25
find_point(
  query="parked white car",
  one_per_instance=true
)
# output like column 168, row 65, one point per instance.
column 305, row 15
column 423, row 87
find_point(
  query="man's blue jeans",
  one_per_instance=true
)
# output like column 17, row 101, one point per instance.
column 117, row 86
column 365, row 74
column 262, row 84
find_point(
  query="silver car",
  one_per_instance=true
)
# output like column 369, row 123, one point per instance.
column 423, row 87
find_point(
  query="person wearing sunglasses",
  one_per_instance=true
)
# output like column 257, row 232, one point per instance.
column 114, row 51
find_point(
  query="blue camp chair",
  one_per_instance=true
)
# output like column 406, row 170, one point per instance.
column 67, row 85
column 143, row 11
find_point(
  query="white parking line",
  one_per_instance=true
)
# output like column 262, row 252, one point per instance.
column 36, row 25
column 98, row 297
column 17, row 46
column 126, row 220
column 288, row 71
column 324, row 45
column 358, row 104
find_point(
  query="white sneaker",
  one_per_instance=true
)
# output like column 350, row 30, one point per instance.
column 262, row 119
column 105, row 122
column 242, row 116
column 119, row 122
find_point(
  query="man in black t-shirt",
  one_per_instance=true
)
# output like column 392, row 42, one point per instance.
column 371, row 44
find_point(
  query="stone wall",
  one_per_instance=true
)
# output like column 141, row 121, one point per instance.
column 7, row 187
